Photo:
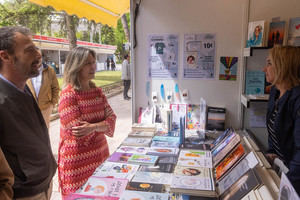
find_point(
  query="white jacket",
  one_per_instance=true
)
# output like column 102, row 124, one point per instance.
column 126, row 70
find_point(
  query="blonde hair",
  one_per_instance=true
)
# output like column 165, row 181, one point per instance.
column 286, row 61
column 75, row 61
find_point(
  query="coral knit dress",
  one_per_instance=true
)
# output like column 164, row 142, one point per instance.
column 78, row 157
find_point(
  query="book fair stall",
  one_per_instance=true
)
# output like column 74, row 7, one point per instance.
column 199, row 100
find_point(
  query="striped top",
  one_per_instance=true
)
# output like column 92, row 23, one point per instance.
column 272, row 134
column 78, row 157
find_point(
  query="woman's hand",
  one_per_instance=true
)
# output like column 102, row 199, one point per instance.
column 83, row 129
column 271, row 157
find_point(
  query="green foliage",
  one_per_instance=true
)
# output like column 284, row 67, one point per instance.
column 23, row 13
column 107, row 35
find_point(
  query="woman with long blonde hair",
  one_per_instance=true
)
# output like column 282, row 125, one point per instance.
column 85, row 117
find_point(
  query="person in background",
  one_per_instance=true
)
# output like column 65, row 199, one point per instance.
column 85, row 117
column 45, row 89
column 6, row 179
column 283, row 116
column 126, row 76
column 113, row 64
column 107, row 64
column 24, row 137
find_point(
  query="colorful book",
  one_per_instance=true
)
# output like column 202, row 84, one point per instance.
column 166, row 138
column 88, row 197
column 137, row 141
column 138, row 195
column 146, row 187
column 153, row 177
column 229, row 161
column 160, row 167
column 294, row 32
column 193, row 116
column 143, row 159
column 255, row 34
column 163, row 151
column 276, row 33
column 119, row 157
column 103, row 187
column 162, row 132
column 195, row 158
column 147, row 115
column 116, row 170
column 132, row 149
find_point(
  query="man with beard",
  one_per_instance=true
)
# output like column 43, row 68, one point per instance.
column 24, row 136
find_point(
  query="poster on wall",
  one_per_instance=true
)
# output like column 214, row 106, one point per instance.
column 228, row 68
column 199, row 56
column 163, row 56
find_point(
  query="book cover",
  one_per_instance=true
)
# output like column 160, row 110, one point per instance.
column 192, row 171
column 143, row 159
column 195, row 158
column 141, row 134
column 143, row 127
column 146, row 187
column 132, row 149
column 88, row 197
column 105, row 187
column 243, row 186
column 116, row 170
column 163, row 151
column 215, row 118
column 229, row 161
column 221, row 137
column 119, row 157
column 167, row 159
column 163, row 132
column 138, row 195
column 193, row 116
column 169, row 144
column 147, row 115
column 255, row 82
column 228, row 68
column 153, row 177
column 255, row 34
column 160, row 167
column 225, row 147
column 178, row 110
column 166, row 138
column 191, row 183
column 276, row 33
column 294, row 32
column 137, row 141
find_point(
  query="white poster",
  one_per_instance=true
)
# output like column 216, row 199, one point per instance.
column 199, row 56
column 163, row 56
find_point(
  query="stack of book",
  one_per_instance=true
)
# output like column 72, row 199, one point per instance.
column 232, row 167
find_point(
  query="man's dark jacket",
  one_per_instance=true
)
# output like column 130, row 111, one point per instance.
column 25, row 141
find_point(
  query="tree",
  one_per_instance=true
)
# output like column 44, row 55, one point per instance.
column 125, row 26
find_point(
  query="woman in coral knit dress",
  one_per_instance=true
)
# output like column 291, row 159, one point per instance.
column 85, row 117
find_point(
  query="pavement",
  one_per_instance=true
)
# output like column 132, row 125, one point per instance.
column 122, row 109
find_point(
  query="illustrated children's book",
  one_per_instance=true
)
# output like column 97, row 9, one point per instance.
column 146, row 187
column 138, row 195
column 105, row 187
column 255, row 34
column 276, row 33
column 153, row 177
column 294, row 32
column 132, row 149
column 143, row 159
column 116, row 170
column 119, row 157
